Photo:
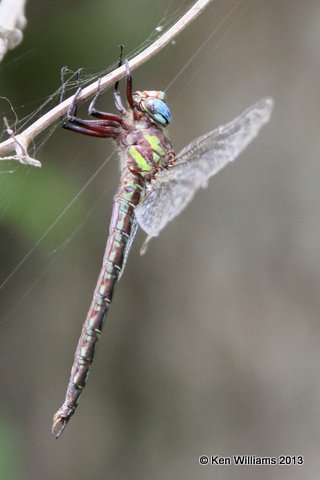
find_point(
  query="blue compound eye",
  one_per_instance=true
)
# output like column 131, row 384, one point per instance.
column 158, row 111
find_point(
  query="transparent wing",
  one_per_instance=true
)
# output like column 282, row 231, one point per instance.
column 175, row 187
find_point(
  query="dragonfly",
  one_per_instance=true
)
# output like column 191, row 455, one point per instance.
column 155, row 186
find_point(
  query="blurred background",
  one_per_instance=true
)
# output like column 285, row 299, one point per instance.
column 212, row 343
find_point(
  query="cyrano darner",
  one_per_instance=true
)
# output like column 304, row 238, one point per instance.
column 155, row 186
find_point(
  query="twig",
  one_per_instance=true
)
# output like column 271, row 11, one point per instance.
column 21, row 151
column 12, row 21
column 28, row 135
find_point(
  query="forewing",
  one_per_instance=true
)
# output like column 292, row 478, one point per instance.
column 174, row 188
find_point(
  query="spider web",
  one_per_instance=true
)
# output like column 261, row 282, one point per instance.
column 55, row 234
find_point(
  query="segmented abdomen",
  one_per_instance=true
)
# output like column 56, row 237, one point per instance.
column 125, row 201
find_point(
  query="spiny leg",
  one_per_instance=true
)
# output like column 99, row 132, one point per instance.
column 129, row 86
column 92, row 130
column 116, row 92
column 106, row 127
column 72, row 110
column 102, row 115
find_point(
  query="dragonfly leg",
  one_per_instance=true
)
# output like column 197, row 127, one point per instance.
column 116, row 92
column 106, row 127
column 92, row 128
column 129, row 86
column 72, row 110
column 102, row 115
column 107, row 133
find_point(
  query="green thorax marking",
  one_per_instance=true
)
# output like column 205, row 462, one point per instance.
column 155, row 144
column 138, row 157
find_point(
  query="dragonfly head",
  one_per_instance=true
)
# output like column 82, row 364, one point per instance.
column 154, row 104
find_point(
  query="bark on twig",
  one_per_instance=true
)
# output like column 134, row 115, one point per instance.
column 20, row 142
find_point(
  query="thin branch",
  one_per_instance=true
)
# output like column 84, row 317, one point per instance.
column 12, row 22
column 20, row 142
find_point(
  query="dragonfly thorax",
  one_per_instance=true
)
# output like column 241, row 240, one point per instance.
column 153, row 104
column 148, row 150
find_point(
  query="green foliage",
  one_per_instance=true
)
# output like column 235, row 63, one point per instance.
column 31, row 199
